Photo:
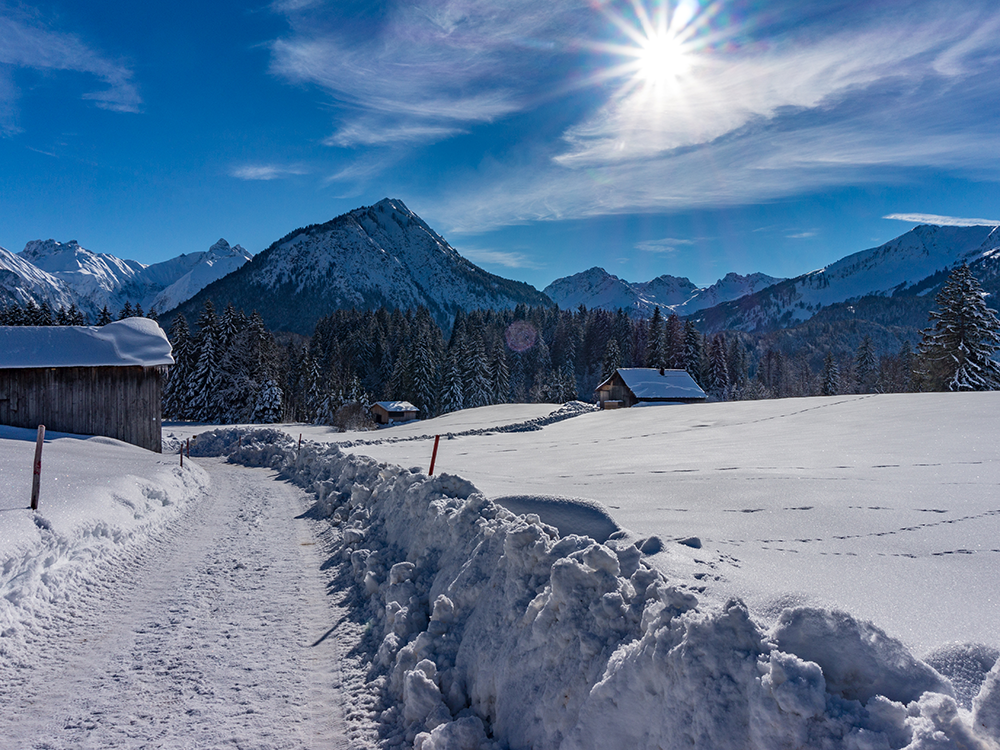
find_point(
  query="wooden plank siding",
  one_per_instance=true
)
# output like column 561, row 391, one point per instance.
column 118, row 402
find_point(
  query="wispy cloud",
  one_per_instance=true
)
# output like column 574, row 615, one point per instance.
column 501, row 258
column 801, row 235
column 434, row 65
column 374, row 133
column 25, row 43
column 943, row 221
column 667, row 245
column 265, row 172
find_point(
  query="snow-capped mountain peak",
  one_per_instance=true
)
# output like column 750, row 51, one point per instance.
column 597, row 288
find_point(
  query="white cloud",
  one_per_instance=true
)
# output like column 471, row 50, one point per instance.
column 500, row 258
column 374, row 133
column 26, row 44
column 667, row 245
column 801, row 235
column 265, row 172
column 943, row 221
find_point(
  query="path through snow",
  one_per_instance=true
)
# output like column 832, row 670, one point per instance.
column 215, row 634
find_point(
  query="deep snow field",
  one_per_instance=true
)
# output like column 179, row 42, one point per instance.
column 844, row 523
column 887, row 506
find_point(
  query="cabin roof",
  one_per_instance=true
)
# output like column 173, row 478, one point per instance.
column 124, row 343
column 649, row 383
column 396, row 405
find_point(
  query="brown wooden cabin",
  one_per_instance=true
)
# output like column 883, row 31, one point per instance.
column 388, row 412
column 86, row 380
column 629, row 386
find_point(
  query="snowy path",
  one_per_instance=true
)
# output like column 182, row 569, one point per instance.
column 217, row 634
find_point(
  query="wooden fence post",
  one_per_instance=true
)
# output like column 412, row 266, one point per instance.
column 36, row 479
column 434, row 455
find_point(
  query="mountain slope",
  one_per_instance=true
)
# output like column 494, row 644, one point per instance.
column 66, row 273
column 596, row 288
column 913, row 264
column 21, row 282
column 93, row 278
column 382, row 255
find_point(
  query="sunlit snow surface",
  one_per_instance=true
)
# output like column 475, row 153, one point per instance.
column 887, row 506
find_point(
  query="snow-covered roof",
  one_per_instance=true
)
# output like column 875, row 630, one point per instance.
column 133, row 341
column 649, row 383
column 396, row 405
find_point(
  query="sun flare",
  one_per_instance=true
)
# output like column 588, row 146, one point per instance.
column 660, row 57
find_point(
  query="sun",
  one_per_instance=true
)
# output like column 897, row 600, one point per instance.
column 659, row 45
column 661, row 57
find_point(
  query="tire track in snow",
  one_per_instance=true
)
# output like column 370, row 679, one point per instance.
column 215, row 635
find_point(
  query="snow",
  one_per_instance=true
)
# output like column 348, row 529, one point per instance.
column 801, row 501
column 66, row 273
column 472, row 625
column 133, row 341
column 497, row 629
column 219, row 261
column 648, row 382
column 21, row 281
column 98, row 497
column 393, row 406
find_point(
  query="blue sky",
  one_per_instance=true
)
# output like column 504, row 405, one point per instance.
column 540, row 138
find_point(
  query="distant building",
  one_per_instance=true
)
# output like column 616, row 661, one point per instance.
column 629, row 386
column 386, row 412
column 86, row 380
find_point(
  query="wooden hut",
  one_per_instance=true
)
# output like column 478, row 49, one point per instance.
column 86, row 380
column 629, row 386
column 387, row 412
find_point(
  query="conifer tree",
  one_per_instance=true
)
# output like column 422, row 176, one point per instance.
column 612, row 359
column 957, row 350
column 104, row 317
column 866, row 366
column 831, row 376
column 655, row 351
column 499, row 374
column 126, row 311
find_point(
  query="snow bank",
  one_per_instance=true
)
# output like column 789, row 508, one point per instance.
column 498, row 632
column 100, row 498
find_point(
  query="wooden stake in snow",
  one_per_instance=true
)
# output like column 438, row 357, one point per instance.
column 188, row 441
column 36, row 480
column 434, row 455
column 300, row 446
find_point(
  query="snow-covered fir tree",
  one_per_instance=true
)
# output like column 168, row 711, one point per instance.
column 830, row 377
column 957, row 350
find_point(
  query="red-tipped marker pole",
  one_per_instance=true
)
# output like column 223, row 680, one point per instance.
column 434, row 455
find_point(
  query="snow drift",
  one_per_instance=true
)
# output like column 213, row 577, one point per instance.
column 498, row 631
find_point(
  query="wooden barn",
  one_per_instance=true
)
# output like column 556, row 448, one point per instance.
column 88, row 381
column 629, row 386
column 387, row 412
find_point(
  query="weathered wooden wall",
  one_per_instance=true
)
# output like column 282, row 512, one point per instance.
column 118, row 402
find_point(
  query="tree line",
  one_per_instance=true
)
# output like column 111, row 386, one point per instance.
column 230, row 368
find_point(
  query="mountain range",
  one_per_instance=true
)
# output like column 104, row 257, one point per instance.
column 598, row 288
column 386, row 255
column 65, row 274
